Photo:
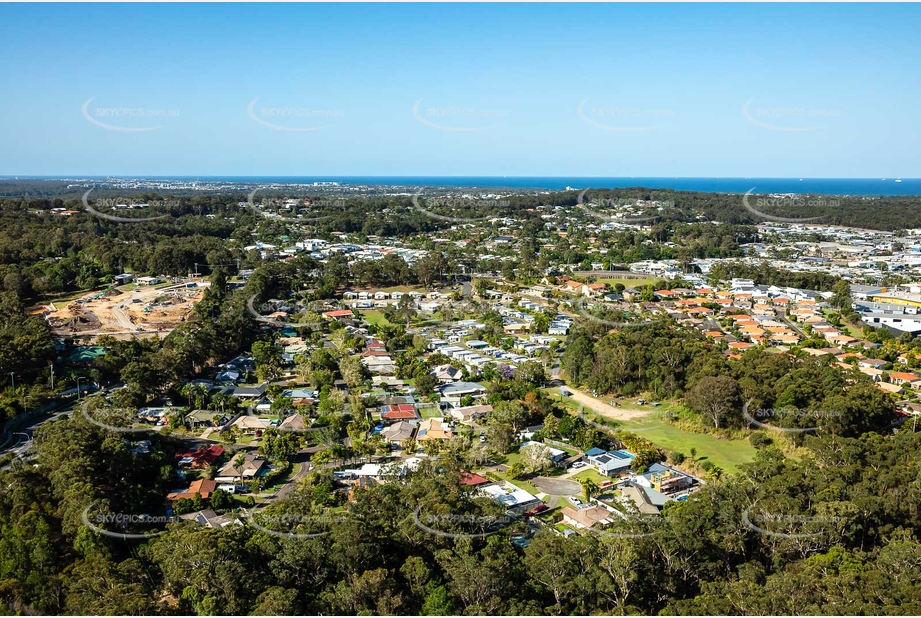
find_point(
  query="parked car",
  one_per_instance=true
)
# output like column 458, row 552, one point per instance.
column 575, row 501
column 579, row 464
column 641, row 402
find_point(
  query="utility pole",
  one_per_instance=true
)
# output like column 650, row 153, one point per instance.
column 52, row 376
column 13, row 379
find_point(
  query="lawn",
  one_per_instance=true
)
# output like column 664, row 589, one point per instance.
column 375, row 317
column 432, row 412
column 727, row 454
column 631, row 283
column 590, row 473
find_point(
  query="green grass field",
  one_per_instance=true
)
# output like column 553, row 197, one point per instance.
column 375, row 317
column 433, row 412
column 590, row 473
column 727, row 454
column 631, row 283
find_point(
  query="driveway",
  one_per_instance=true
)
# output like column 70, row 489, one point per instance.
column 556, row 486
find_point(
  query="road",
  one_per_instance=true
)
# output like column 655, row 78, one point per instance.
column 22, row 436
column 123, row 320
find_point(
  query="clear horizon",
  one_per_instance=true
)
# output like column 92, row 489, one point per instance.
column 523, row 91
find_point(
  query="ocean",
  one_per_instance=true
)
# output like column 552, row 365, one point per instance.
column 822, row 186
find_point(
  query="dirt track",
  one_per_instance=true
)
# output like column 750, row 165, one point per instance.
column 596, row 405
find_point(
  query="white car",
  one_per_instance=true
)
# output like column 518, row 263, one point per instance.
column 579, row 464
column 575, row 501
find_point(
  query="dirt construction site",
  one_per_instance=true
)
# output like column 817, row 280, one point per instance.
column 129, row 310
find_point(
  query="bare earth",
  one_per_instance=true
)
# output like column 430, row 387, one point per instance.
column 602, row 408
column 118, row 315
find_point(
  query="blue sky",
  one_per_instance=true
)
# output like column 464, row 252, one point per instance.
column 464, row 89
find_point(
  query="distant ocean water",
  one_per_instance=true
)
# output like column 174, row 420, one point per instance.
column 826, row 186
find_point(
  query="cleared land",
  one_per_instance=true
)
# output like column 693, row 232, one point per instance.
column 142, row 311
column 646, row 422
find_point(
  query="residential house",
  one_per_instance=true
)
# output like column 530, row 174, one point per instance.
column 586, row 518
column 397, row 432
column 451, row 394
column 433, row 429
column 201, row 458
column 248, row 469
column 468, row 414
column 611, row 463
column 513, row 498
column 446, row 373
column 202, row 487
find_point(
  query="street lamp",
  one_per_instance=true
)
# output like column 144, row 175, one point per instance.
column 78, row 387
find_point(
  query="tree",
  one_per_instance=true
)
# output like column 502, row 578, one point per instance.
column 590, row 488
column 535, row 458
column 531, row 372
column 220, row 499
column 425, row 384
column 353, row 371
column 716, row 398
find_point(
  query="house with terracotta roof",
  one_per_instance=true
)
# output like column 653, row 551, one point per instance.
column 399, row 412
column 904, row 378
column 338, row 314
column 202, row 487
column 594, row 290
column 471, row 479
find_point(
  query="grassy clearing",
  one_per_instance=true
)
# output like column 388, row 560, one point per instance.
column 375, row 317
column 727, row 454
column 433, row 412
column 590, row 473
column 631, row 283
